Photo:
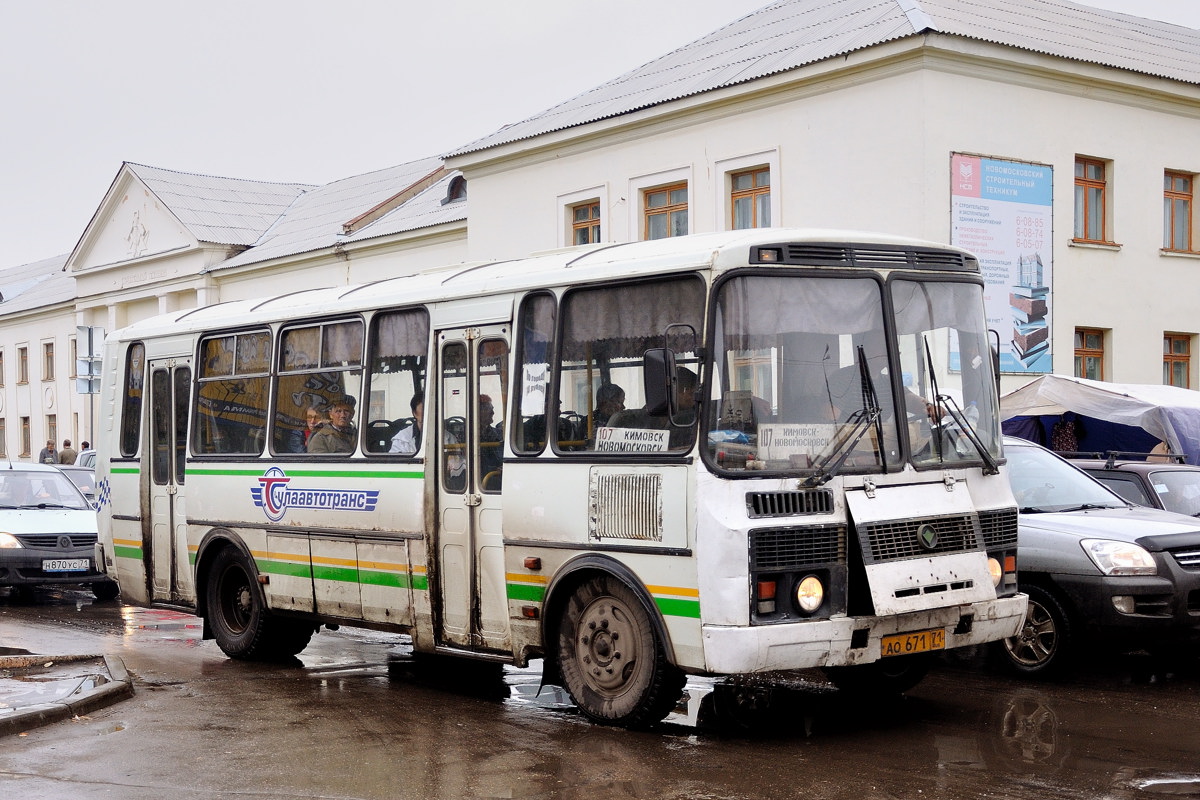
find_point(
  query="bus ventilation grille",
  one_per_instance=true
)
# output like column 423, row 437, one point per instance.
column 894, row 540
column 786, row 504
column 999, row 529
column 818, row 254
column 791, row 548
column 626, row 507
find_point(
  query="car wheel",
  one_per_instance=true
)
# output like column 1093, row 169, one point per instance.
column 1043, row 646
column 105, row 590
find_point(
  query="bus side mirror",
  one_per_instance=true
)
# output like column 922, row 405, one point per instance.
column 658, row 377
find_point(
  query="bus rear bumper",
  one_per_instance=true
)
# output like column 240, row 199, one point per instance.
column 828, row 643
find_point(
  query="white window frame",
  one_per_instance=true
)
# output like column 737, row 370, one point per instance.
column 727, row 167
column 637, row 190
column 568, row 201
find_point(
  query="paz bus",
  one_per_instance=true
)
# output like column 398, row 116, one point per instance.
column 720, row 454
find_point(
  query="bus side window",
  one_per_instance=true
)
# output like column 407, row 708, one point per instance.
column 534, row 348
column 231, row 402
column 397, row 354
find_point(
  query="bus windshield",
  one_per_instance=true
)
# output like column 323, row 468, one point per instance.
column 801, row 375
column 802, row 380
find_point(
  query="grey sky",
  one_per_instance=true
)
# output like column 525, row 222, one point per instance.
column 300, row 90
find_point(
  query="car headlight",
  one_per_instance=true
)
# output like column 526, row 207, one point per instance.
column 8, row 541
column 1119, row 558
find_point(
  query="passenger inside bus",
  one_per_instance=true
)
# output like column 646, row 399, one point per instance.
column 340, row 435
column 610, row 399
column 491, row 456
column 408, row 440
column 685, row 405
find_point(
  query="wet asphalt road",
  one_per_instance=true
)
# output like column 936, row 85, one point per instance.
column 354, row 717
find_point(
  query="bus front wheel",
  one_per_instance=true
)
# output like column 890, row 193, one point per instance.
column 612, row 661
column 237, row 613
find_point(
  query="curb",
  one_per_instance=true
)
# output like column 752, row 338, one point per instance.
column 82, row 700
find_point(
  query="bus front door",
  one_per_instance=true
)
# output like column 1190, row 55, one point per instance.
column 164, row 538
column 470, row 546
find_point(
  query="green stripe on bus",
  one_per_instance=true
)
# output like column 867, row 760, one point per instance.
column 309, row 473
column 523, row 591
column 398, row 580
column 284, row 568
column 671, row 607
column 127, row 552
column 124, row 470
column 343, row 574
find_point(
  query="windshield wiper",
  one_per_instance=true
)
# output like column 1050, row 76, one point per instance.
column 1091, row 506
column 863, row 419
column 966, row 429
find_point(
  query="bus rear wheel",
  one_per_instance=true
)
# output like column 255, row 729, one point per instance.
column 237, row 613
column 612, row 660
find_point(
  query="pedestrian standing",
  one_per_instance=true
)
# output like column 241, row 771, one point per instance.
column 67, row 454
column 48, row 455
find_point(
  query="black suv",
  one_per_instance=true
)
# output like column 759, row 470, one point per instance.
column 1169, row 485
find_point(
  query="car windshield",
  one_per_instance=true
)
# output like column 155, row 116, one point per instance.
column 1041, row 481
column 30, row 489
column 1179, row 490
column 85, row 479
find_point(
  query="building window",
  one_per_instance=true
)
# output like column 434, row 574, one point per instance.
column 1089, row 353
column 52, row 427
column 666, row 211
column 750, row 198
column 3, row 438
column 456, row 191
column 74, row 351
column 1177, row 360
column 1, row 367
column 1177, row 211
column 48, row 361
column 25, row 437
column 585, row 223
column 22, row 365
column 1091, row 198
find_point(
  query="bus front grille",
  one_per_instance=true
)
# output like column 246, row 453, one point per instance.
column 786, row 504
column 789, row 548
column 999, row 529
column 894, row 540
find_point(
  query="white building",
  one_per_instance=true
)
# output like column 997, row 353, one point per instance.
column 869, row 114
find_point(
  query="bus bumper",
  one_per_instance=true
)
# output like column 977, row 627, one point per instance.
column 834, row 643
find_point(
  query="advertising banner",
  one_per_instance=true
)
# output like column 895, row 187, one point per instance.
column 1002, row 211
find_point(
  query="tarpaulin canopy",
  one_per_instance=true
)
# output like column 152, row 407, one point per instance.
column 1166, row 412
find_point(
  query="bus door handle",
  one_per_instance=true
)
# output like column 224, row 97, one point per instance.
column 472, row 499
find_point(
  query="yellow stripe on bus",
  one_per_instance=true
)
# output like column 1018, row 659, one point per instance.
column 674, row 591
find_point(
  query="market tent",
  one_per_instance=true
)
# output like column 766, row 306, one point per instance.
column 1168, row 413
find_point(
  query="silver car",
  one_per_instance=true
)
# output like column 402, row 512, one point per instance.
column 1097, row 569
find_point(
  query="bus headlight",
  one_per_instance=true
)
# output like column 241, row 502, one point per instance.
column 810, row 594
column 996, row 570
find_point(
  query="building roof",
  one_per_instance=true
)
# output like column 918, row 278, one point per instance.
column 220, row 210
column 321, row 218
column 36, row 285
column 790, row 34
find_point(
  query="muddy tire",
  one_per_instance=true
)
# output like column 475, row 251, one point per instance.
column 238, row 616
column 1043, row 646
column 887, row 676
column 105, row 590
column 613, row 664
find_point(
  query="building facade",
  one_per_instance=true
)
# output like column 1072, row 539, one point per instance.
column 853, row 115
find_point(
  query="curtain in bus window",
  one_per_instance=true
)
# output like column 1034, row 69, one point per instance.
column 605, row 333
column 397, row 355
column 231, row 406
column 534, row 347
column 131, row 406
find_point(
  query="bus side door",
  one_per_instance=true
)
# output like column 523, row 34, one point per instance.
column 470, row 540
column 164, row 538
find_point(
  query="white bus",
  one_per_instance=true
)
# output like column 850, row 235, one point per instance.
column 719, row 454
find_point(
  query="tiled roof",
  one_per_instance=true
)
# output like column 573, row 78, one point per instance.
column 790, row 34
column 220, row 210
column 318, row 218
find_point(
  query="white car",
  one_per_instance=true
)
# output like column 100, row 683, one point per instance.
column 86, row 458
column 47, row 531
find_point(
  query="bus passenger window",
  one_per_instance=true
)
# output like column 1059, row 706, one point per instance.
column 320, row 366
column 396, row 352
column 231, row 402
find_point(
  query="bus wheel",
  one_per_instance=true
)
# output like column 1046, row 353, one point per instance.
column 238, row 615
column 891, row 675
column 612, row 662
